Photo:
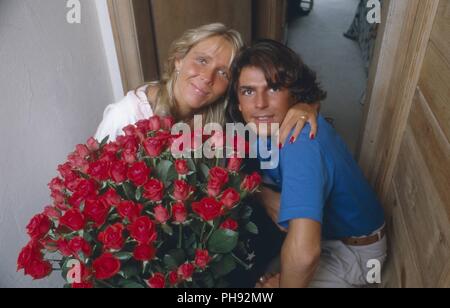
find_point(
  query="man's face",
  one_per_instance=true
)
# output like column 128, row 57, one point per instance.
column 259, row 103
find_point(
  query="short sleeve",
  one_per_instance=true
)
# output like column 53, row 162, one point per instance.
column 304, row 177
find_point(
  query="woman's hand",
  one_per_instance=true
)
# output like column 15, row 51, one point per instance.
column 296, row 118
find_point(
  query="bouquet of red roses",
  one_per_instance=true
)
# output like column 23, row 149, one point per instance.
column 129, row 214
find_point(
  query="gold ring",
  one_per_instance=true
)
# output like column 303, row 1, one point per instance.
column 303, row 117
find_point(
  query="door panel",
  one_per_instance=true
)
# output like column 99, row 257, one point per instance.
column 172, row 17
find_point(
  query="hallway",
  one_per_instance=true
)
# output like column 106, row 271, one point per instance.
column 319, row 39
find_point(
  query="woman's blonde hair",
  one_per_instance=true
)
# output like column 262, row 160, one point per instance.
column 165, row 102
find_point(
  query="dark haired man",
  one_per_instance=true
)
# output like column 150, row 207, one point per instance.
column 335, row 225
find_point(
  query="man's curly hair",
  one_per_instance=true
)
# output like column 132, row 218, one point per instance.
column 282, row 67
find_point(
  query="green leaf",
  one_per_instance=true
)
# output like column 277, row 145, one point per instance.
column 247, row 211
column 191, row 164
column 162, row 170
column 174, row 258
column 138, row 194
column 225, row 266
column 252, row 228
column 124, row 256
column 129, row 284
column 104, row 141
column 129, row 190
column 167, row 229
column 223, row 241
column 129, row 270
column 204, row 170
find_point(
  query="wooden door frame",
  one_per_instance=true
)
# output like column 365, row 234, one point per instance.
column 394, row 74
column 135, row 47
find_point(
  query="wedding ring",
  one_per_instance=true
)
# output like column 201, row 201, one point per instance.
column 261, row 279
column 303, row 117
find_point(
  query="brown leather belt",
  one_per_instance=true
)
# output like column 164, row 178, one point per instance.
column 365, row 241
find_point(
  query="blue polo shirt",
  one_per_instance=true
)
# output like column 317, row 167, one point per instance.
column 320, row 180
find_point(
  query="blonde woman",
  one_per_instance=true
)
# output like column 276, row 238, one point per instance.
column 195, row 82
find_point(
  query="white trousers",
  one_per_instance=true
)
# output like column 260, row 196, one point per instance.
column 344, row 266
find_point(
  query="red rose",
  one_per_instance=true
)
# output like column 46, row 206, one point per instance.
column 186, row 270
column 234, row 164
column 99, row 170
column 174, row 279
column 229, row 224
column 112, row 237
column 96, row 211
column 71, row 181
column 127, row 142
column 218, row 177
column 251, row 182
column 38, row 269
column 143, row 230
column 240, row 146
column 118, row 171
column 129, row 130
column 144, row 253
column 161, row 214
column 56, row 184
column 130, row 210
column 82, row 285
column 79, row 244
column 208, row 209
column 181, row 166
column 182, row 190
column 154, row 146
column 30, row 252
column 109, row 156
column 39, row 226
column 202, row 258
column 143, row 126
column 88, row 187
column 129, row 155
column 157, row 281
column 92, row 144
column 111, row 198
column 52, row 212
column 82, row 150
column 179, row 212
column 154, row 190
column 154, row 123
column 167, row 123
column 106, row 266
column 65, row 170
column 63, row 247
column 85, row 189
column 230, row 198
column 73, row 219
column 138, row 173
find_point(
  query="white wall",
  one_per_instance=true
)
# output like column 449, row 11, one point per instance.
column 54, row 85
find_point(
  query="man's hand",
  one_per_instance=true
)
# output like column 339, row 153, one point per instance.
column 269, row 282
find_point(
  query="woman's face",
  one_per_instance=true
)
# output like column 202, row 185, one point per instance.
column 203, row 74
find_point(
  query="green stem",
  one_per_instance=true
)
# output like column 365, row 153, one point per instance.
column 105, row 284
column 180, row 235
column 209, row 234
column 202, row 233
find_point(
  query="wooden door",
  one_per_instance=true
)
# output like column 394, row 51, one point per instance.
column 405, row 149
column 172, row 17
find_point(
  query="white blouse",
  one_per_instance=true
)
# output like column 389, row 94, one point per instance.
column 131, row 109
